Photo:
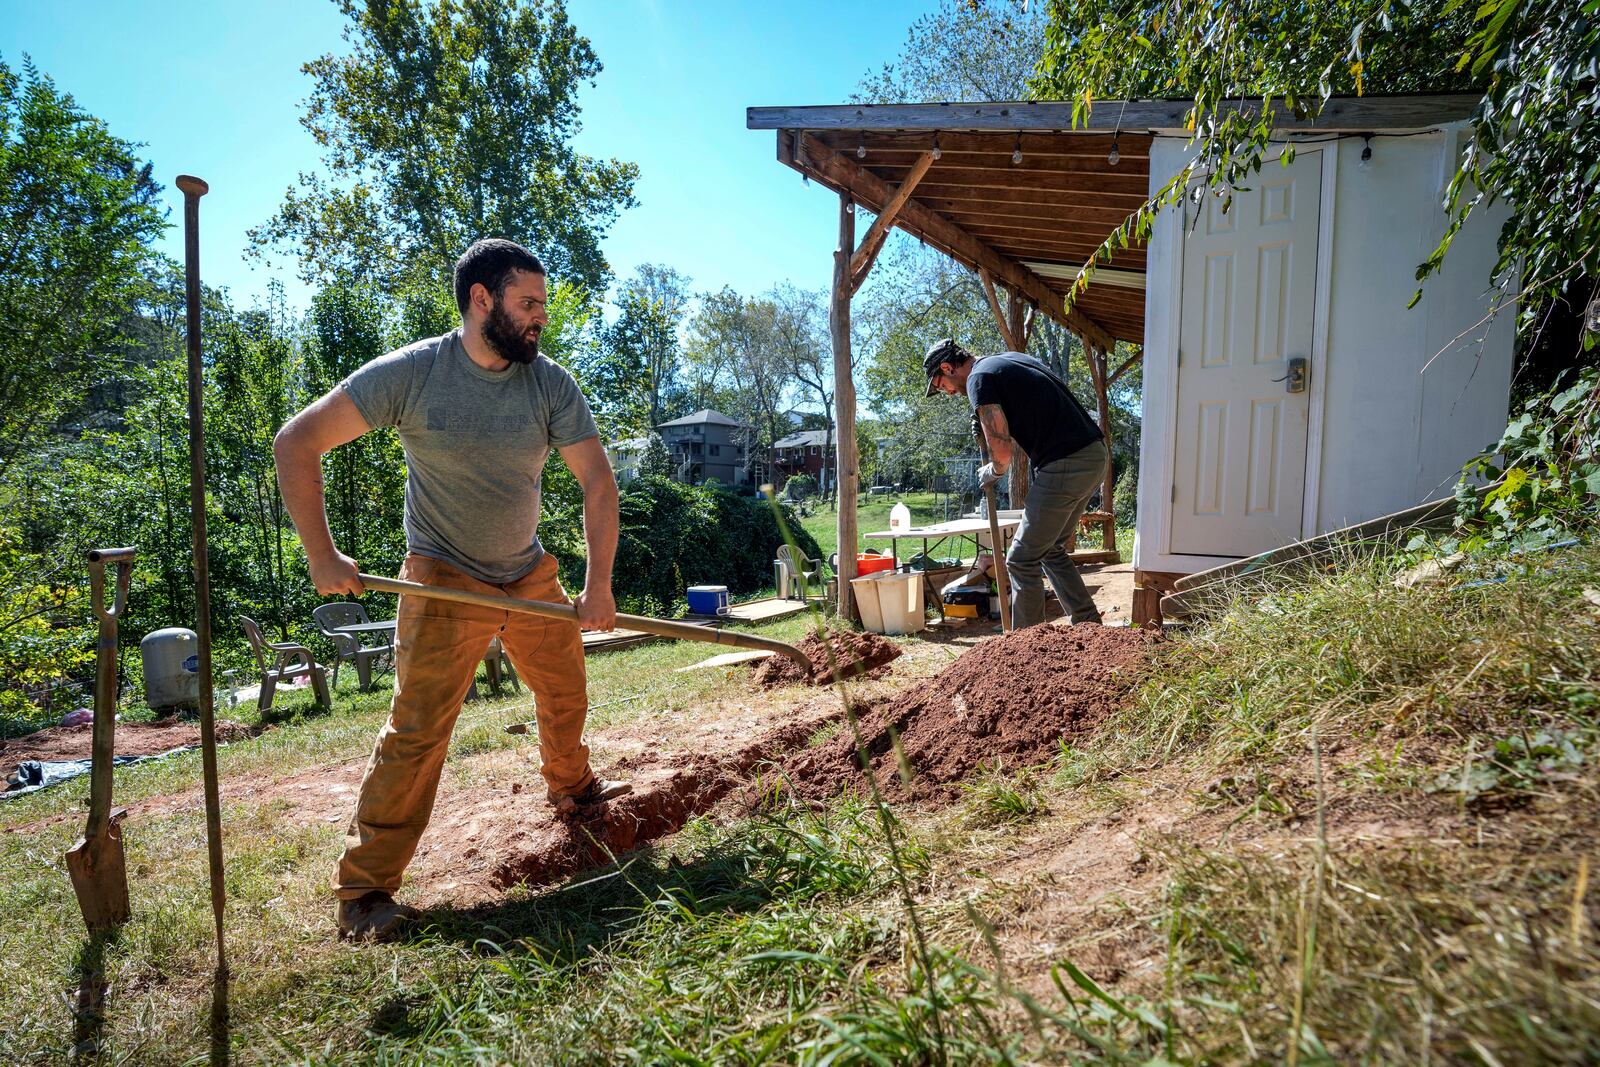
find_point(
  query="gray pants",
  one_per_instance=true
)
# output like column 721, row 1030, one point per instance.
column 1057, row 497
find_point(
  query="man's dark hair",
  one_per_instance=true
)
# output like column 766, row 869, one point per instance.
column 491, row 263
column 944, row 351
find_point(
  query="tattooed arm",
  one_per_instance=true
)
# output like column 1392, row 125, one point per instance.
column 998, row 435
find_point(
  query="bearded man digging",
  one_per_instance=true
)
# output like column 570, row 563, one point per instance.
column 478, row 411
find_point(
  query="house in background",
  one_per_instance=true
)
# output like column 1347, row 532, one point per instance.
column 625, row 456
column 706, row 445
column 805, row 452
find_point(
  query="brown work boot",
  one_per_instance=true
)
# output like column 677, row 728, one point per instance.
column 374, row 916
column 598, row 791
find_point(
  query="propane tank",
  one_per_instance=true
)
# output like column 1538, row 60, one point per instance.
column 171, row 668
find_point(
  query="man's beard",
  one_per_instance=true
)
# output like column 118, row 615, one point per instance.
column 508, row 340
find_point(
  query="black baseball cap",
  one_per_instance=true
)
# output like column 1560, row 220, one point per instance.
column 945, row 351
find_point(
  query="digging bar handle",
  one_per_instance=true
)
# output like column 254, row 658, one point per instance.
column 1002, row 581
column 567, row 613
column 103, row 744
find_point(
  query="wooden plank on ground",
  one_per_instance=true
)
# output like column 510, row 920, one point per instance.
column 615, row 639
column 728, row 659
column 765, row 610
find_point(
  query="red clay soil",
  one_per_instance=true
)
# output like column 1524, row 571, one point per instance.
column 132, row 739
column 856, row 655
column 1008, row 702
column 512, row 838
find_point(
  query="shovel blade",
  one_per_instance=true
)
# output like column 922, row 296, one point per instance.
column 100, row 879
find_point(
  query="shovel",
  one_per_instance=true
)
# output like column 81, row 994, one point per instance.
column 567, row 613
column 97, row 865
column 1000, row 580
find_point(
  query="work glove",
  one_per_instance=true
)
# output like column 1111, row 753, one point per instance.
column 988, row 476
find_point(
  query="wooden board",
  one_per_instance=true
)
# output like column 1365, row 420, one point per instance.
column 1344, row 114
column 1192, row 591
column 728, row 659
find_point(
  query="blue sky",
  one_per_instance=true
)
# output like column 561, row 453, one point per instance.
column 215, row 89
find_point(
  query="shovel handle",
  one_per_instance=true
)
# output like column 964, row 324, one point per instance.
column 1000, row 578
column 567, row 613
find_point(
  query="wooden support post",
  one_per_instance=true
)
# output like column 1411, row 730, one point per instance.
column 844, row 403
column 1127, row 365
column 1102, row 387
column 1017, row 334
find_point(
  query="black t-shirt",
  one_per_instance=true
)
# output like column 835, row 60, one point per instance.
column 1046, row 420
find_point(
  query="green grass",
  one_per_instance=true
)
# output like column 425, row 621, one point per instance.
column 872, row 513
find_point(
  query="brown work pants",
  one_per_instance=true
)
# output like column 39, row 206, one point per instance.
column 438, row 646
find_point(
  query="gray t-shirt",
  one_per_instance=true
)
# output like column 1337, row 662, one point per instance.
column 476, row 443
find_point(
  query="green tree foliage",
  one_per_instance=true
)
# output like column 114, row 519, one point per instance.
column 364, row 481
column 77, row 213
column 750, row 343
column 675, row 535
column 444, row 122
column 1537, row 129
column 629, row 373
column 964, row 51
column 656, row 461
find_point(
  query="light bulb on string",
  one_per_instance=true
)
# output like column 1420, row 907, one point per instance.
column 850, row 206
column 1366, row 152
column 861, row 150
column 1114, row 157
column 1016, row 153
column 937, row 151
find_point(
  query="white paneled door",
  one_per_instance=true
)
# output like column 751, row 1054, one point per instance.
column 1244, row 349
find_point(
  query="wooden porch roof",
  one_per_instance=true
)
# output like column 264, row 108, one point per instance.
column 1030, row 225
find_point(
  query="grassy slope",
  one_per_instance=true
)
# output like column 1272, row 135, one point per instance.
column 1376, row 809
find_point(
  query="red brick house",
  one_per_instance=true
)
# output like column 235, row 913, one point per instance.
column 802, row 452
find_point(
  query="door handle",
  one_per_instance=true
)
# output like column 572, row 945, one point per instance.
column 1296, row 376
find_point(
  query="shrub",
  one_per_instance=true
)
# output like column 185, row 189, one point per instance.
column 799, row 487
column 674, row 535
column 1125, row 497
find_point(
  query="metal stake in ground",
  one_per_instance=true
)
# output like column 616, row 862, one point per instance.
column 96, row 863
column 193, row 189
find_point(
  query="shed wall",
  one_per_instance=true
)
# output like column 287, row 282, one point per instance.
column 1401, row 398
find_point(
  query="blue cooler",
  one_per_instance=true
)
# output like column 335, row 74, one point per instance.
column 708, row 599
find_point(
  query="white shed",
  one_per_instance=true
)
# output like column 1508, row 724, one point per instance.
column 1288, row 390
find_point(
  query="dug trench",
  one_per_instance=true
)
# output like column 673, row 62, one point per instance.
column 1006, row 702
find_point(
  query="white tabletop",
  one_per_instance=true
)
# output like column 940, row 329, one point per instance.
column 956, row 528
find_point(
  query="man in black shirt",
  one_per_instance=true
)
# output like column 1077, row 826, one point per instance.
column 1023, row 407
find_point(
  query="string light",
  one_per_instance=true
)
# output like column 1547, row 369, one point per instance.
column 861, row 149
column 1114, row 157
column 1016, row 153
column 937, row 151
column 850, row 206
column 1366, row 152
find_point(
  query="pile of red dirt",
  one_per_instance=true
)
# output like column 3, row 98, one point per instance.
column 856, row 655
column 1008, row 702
column 63, row 743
